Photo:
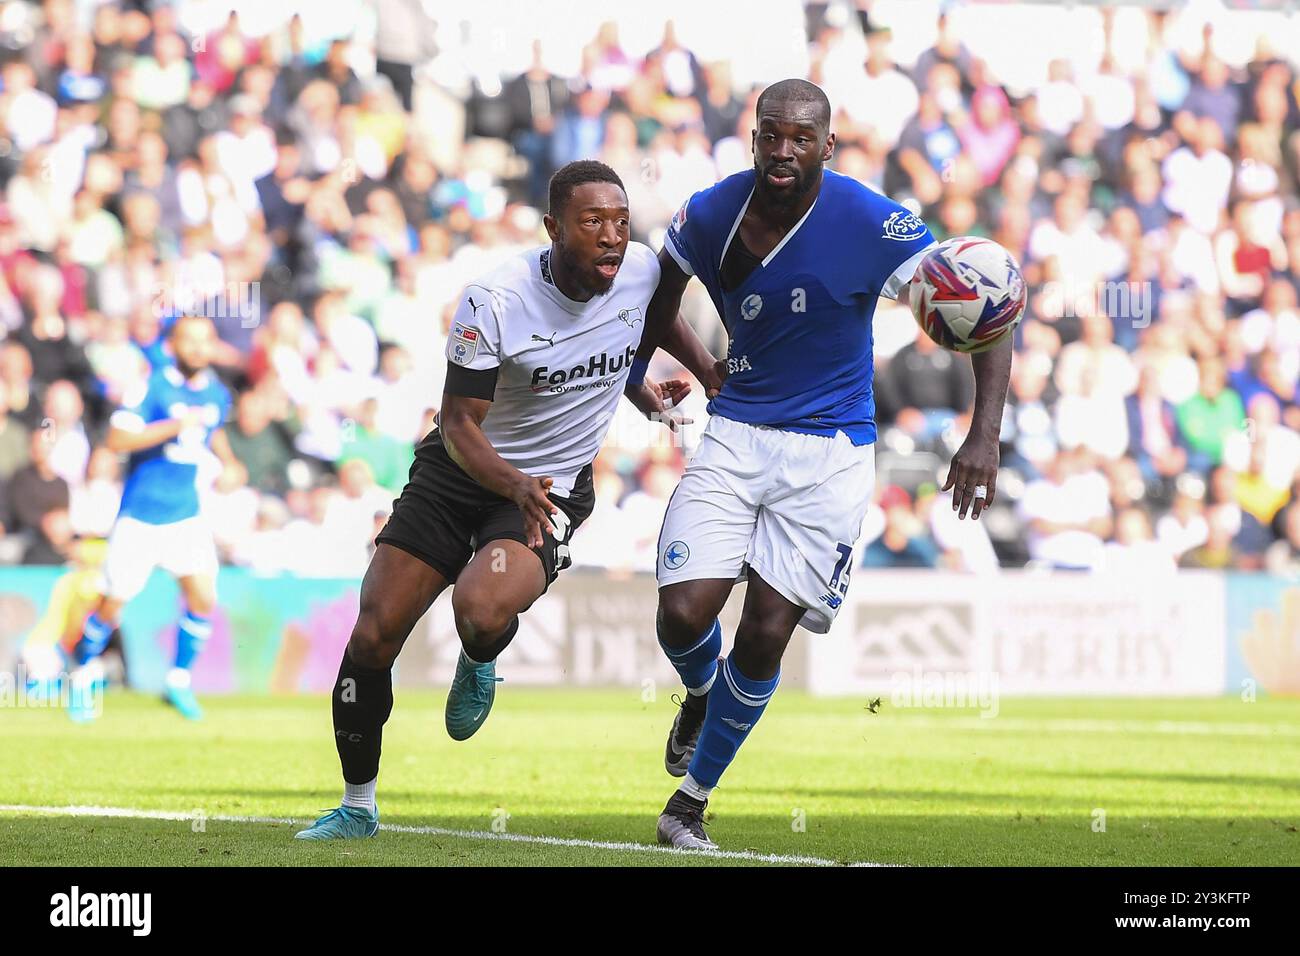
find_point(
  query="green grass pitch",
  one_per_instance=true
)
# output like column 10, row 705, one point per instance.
column 1187, row 782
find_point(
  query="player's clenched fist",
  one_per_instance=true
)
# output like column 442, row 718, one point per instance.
column 529, row 494
column 714, row 384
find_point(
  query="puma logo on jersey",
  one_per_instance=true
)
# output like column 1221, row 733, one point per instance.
column 474, row 307
column 549, row 340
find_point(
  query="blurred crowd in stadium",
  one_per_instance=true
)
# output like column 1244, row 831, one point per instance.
column 325, row 195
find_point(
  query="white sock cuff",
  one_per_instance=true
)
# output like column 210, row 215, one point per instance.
column 360, row 795
column 704, row 688
column 693, row 788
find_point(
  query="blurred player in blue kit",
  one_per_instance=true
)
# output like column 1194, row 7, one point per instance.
column 171, row 429
column 795, row 257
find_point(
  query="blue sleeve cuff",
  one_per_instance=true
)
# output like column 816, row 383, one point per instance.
column 636, row 375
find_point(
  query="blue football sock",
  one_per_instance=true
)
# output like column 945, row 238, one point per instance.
column 735, row 704
column 191, row 634
column 94, row 638
column 697, row 665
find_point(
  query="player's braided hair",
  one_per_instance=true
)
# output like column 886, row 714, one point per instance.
column 575, row 174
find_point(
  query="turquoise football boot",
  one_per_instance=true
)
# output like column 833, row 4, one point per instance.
column 344, row 823
column 183, row 699
column 86, row 694
column 470, row 700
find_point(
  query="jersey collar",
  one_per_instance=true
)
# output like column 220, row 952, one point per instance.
column 784, row 239
column 199, row 382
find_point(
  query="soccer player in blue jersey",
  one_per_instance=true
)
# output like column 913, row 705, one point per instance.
column 794, row 257
column 172, row 431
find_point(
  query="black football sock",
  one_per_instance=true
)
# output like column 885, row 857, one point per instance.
column 483, row 653
column 362, row 700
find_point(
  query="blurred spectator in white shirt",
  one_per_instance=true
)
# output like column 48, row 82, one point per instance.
column 94, row 502
column 29, row 115
column 1135, row 555
column 1068, row 512
column 1280, row 446
column 352, row 337
column 63, row 426
column 1198, row 177
column 1184, row 527
column 643, row 511
column 400, row 395
column 881, row 96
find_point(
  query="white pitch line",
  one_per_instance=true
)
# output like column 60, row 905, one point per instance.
column 134, row 814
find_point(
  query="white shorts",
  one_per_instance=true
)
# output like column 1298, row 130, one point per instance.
column 788, row 505
column 135, row 548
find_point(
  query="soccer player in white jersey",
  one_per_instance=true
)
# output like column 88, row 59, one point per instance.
column 795, row 258
column 538, row 356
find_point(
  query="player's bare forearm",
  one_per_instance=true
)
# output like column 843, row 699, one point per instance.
column 233, row 473
column 973, row 474
column 992, row 375
column 122, row 441
column 461, row 423
column 661, row 313
column 683, row 344
column 221, row 448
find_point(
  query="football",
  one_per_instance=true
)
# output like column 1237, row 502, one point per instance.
column 968, row 294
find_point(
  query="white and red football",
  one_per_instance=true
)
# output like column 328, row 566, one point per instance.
column 968, row 294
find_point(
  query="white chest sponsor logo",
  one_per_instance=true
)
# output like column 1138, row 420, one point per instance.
column 545, row 378
column 209, row 413
column 903, row 226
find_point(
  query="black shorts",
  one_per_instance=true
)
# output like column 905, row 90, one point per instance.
column 444, row 516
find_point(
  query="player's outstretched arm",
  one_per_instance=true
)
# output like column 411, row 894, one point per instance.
column 461, row 423
column 976, row 461
column 124, row 441
column 233, row 472
column 664, row 329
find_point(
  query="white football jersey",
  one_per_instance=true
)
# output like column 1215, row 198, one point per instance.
column 561, row 364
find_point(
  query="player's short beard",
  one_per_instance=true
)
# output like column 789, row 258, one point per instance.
column 586, row 278
column 803, row 182
column 187, row 371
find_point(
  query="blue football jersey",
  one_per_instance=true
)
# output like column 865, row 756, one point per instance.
column 800, row 352
column 161, row 482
